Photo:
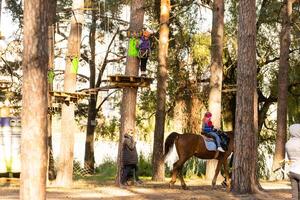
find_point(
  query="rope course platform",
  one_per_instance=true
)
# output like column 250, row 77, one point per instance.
column 123, row 81
column 2, row 36
column 55, row 107
column 4, row 84
column 66, row 97
column 120, row 82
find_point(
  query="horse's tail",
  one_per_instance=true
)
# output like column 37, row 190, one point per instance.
column 170, row 142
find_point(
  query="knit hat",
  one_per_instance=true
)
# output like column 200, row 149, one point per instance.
column 208, row 114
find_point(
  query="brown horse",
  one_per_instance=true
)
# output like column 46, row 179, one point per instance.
column 188, row 145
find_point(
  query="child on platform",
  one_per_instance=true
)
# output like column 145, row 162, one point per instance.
column 144, row 51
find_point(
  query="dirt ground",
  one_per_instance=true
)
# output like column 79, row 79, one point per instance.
column 198, row 190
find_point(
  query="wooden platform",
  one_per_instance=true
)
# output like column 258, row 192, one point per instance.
column 4, row 84
column 123, row 81
column 119, row 82
column 68, row 96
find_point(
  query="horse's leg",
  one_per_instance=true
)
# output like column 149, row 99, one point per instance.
column 183, row 185
column 177, row 167
column 227, row 177
column 174, row 174
column 220, row 162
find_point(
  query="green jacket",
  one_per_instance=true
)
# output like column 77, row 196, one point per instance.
column 133, row 50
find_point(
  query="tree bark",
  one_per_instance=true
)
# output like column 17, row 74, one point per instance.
column 89, row 158
column 0, row 19
column 285, row 41
column 128, row 105
column 244, row 179
column 179, row 115
column 65, row 161
column 194, row 107
column 216, row 71
column 51, row 43
column 34, row 101
column 162, row 77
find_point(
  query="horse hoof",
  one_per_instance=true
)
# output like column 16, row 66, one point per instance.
column 171, row 185
column 185, row 187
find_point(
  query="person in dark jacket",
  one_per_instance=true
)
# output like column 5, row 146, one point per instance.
column 130, row 159
column 293, row 152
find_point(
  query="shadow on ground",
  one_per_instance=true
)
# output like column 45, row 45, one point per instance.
column 150, row 190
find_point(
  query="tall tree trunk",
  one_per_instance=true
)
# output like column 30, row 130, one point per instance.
column 51, row 43
column 34, row 101
column 285, row 41
column 66, row 156
column 179, row 115
column 128, row 105
column 216, row 70
column 194, row 107
column 244, row 179
column 162, row 77
column 89, row 158
column 228, row 112
column 0, row 19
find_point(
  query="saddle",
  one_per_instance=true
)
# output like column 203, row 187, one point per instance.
column 210, row 142
column 223, row 137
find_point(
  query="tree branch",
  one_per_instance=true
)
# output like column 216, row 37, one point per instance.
column 106, row 98
column 103, row 66
column 61, row 72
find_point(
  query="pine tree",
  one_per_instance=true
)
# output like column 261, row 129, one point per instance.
column 34, row 101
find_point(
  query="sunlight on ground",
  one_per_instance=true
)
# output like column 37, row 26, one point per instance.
column 276, row 185
column 199, row 189
column 114, row 191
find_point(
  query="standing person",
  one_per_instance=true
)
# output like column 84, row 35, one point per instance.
column 144, row 51
column 130, row 158
column 208, row 128
column 293, row 152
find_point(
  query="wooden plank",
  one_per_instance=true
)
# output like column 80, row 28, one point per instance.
column 132, row 84
column 124, row 78
column 4, row 84
column 9, row 180
column 69, row 94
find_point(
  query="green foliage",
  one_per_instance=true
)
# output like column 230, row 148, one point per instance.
column 147, row 101
column 107, row 170
column 294, row 91
column 201, row 50
column 145, row 166
column 194, row 166
column 63, row 12
column 15, row 8
column 266, row 140
column 108, row 129
column 145, row 114
column 231, row 10
column 264, row 154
